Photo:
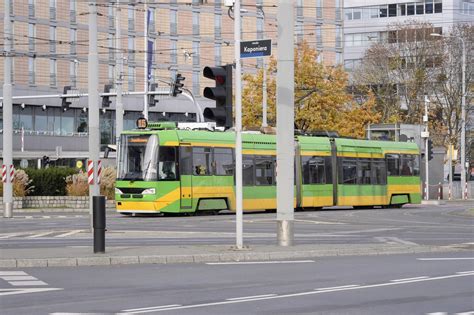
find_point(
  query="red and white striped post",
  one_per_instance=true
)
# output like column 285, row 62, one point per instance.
column 4, row 173
column 12, row 173
column 99, row 171
column 90, row 172
column 465, row 191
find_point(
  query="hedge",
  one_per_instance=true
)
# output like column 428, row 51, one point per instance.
column 49, row 181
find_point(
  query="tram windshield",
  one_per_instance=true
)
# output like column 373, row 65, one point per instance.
column 138, row 158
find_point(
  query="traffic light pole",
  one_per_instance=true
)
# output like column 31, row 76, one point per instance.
column 7, row 113
column 119, row 75
column 238, row 129
column 285, row 123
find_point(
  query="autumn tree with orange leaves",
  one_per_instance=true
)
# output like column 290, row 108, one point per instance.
column 322, row 102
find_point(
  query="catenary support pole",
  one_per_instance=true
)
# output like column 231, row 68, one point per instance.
column 7, row 112
column 463, row 120
column 427, row 139
column 264, row 95
column 145, row 62
column 93, row 114
column 118, row 75
column 285, row 123
column 238, row 130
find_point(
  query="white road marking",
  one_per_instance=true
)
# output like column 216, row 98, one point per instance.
column 10, row 235
column 13, row 273
column 26, row 283
column 340, row 287
column 262, row 262
column 18, row 278
column 69, row 233
column 4, row 292
column 437, row 313
column 447, row 258
column 465, row 272
column 466, row 313
column 303, row 293
column 250, row 297
column 40, row 234
column 408, row 279
column 394, row 240
column 149, row 309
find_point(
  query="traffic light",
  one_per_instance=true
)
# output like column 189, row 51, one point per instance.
column 221, row 93
column 45, row 161
column 152, row 97
column 106, row 99
column 178, row 86
column 430, row 150
column 64, row 101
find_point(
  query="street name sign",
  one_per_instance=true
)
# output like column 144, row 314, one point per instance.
column 256, row 48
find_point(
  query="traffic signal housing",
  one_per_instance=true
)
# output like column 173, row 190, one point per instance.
column 221, row 93
column 106, row 99
column 64, row 101
column 178, row 86
column 430, row 150
column 152, row 98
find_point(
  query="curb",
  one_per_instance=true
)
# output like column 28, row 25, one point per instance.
column 204, row 258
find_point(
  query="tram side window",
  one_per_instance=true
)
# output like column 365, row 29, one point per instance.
column 201, row 161
column 247, row 170
column 186, row 160
column 379, row 172
column 223, row 161
column 264, row 171
column 410, row 165
column 349, row 172
column 313, row 170
column 393, row 165
column 167, row 163
column 364, row 172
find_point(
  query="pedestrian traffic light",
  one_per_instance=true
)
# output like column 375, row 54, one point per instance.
column 178, row 86
column 106, row 99
column 430, row 150
column 64, row 100
column 221, row 93
column 45, row 161
column 152, row 98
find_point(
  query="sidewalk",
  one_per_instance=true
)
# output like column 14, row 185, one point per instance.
column 84, row 256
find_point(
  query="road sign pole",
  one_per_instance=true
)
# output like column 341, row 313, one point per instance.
column 238, row 130
column 285, row 123
column 7, row 111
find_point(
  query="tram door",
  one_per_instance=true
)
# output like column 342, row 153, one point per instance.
column 186, row 182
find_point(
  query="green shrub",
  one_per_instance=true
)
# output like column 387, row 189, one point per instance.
column 77, row 184
column 49, row 181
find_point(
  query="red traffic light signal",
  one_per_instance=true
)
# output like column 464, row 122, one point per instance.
column 221, row 93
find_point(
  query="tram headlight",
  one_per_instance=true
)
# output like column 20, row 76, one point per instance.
column 118, row 191
column 149, row 191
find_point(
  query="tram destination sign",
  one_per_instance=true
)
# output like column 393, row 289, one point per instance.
column 256, row 48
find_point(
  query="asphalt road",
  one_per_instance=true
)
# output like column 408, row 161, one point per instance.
column 447, row 225
column 394, row 284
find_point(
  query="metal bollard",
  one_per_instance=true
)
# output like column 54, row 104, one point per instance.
column 98, row 223
column 8, row 210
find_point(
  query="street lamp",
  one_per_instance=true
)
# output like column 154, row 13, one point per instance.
column 463, row 112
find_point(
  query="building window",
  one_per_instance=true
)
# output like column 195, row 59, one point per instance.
column 72, row 10
column 52, row 39
column 53, row 70
column 73, row 40
column 31, row 70
column 151, row 25
column 410, row 9
column 52, row 9
column 428, row 6
column 31, row 8
column 131, row 78
column 111, row 17
column 319, row 9
column 402, row 9
column 31, row 36
column 374, row 12
column 131, row 49
column 131, row 18
column 348, row 14
column 438, row 7
column 383, row 11
column 420, row 9
column 392, row 10
column 338, row 36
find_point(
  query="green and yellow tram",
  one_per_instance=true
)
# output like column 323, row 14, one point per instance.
column 162, row 169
